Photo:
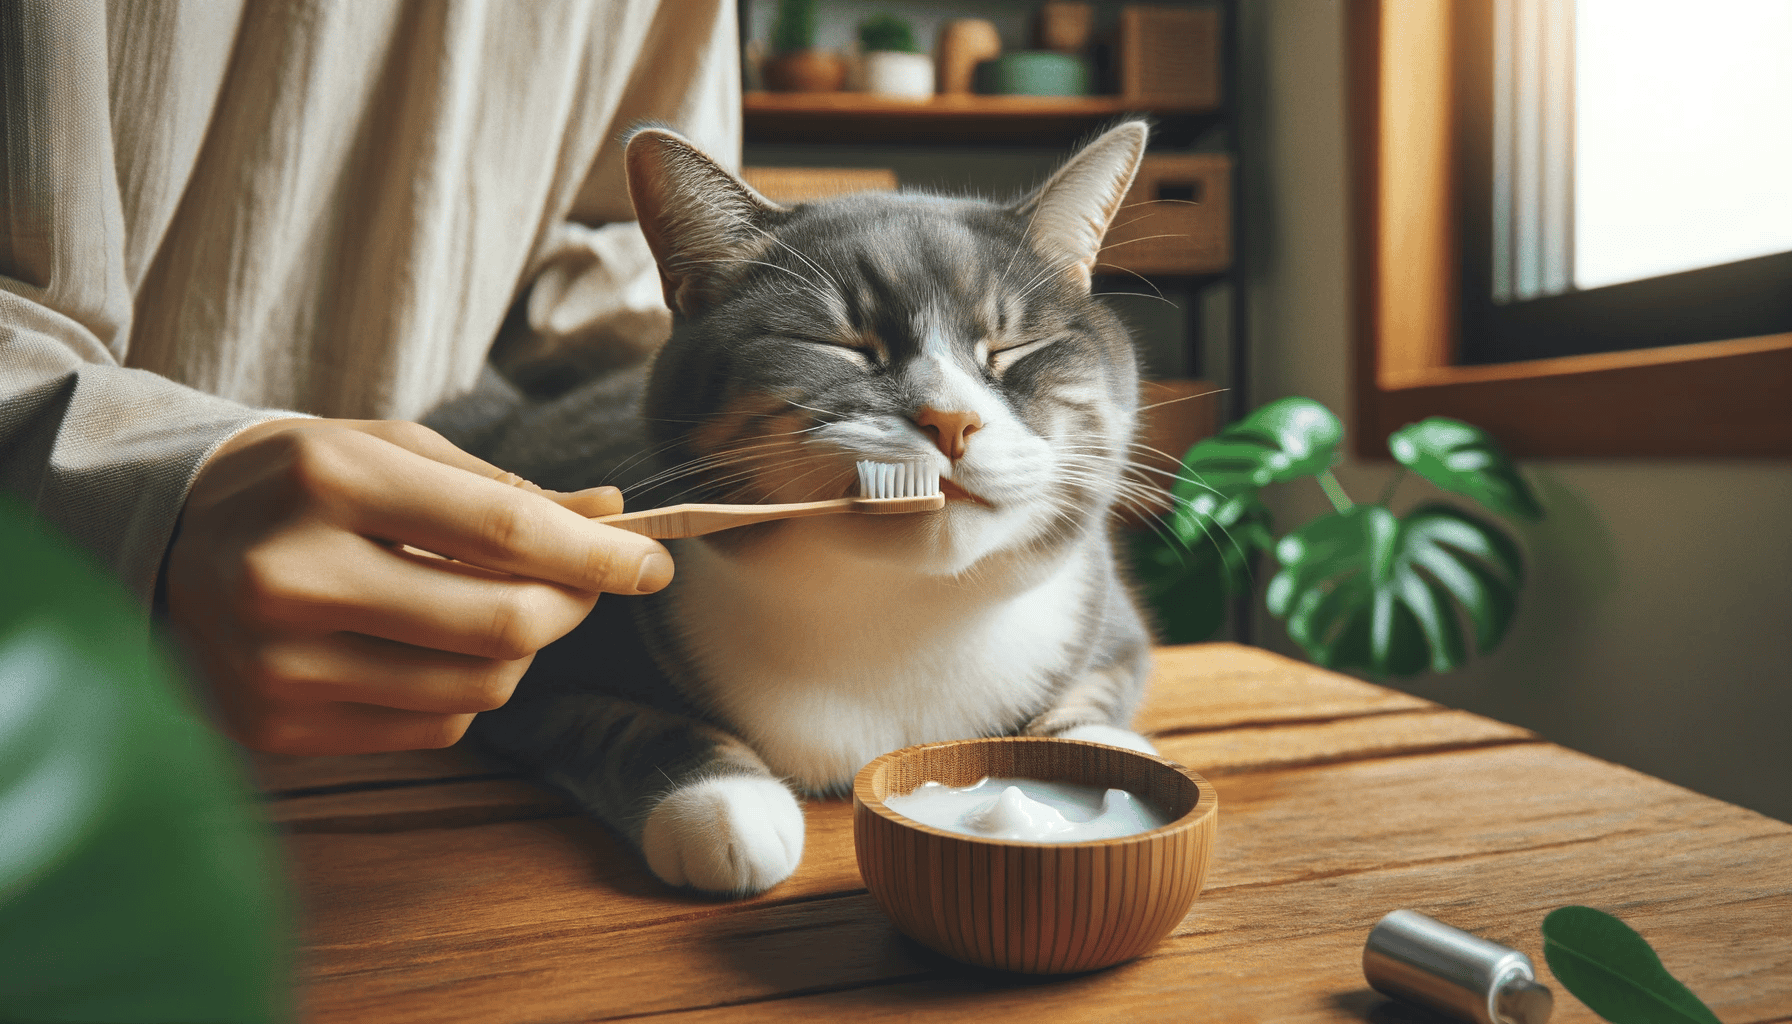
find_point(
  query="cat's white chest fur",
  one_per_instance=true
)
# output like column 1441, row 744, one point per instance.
column 823, row 661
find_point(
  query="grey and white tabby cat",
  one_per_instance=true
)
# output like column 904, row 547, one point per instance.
column 893, row 327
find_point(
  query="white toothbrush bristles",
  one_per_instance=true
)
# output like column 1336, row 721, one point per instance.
column 897, row 480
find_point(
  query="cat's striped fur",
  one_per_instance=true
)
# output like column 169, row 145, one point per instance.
column 791, row 653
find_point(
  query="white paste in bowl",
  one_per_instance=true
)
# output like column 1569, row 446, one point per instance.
column 1029, row 810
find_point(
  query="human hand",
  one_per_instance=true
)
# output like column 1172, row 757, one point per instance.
column 349, row 586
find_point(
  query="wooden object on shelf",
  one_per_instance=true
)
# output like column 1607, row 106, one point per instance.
column 808, row 184
column 859, row 117
column 1173, row 415
column 1170, row 54
column 1091, row 904
column 1064, row 26
column 963, row 43
column 805, row 71
column 1176, row 219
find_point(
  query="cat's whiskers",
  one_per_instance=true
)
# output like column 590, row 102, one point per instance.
column 1053, row 268
column 1026, row 233
column 709, row 458
column 1145, row 238
column 1159, row 296
column 722, row 453
column 747, row 223
column 1180, row 398
column 1150, row 511
column 813, row 286
column 702, row 471
column 829, row 413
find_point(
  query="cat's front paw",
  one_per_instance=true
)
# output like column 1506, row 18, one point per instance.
column 1113, row 736
column 737, row 835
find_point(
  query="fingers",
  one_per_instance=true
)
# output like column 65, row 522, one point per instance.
column 318, row 631
column 319, row 580
column 320, row 729
column 591, row 502
column 268, row 718
column 394, row 493
column 352, row 668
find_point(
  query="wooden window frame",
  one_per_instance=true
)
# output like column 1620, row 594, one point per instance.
column 1718, row 398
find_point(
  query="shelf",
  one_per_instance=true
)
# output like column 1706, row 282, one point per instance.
column 1039, row 120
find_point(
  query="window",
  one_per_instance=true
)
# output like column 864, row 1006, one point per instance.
column 1622, row 169
column 1435, row 259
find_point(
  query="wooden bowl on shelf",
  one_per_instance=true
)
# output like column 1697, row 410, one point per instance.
column 1037, row 908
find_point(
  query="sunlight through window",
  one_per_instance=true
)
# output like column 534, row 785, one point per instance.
column 1682, row 135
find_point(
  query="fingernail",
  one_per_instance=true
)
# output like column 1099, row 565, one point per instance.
column 656, row 572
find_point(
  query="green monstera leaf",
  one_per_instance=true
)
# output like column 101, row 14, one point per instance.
column 1284, row 440
column 136, row 883
column 1464, row 460
column 1365, row 589
column 1188, row 576
column 1615, row 971
column 1230, row 531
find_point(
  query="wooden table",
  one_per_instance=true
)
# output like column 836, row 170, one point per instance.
column 436, row 889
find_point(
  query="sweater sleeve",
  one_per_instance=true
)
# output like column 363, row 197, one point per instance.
column 104, row 452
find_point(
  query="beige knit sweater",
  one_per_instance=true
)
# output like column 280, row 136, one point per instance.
column 213, row 208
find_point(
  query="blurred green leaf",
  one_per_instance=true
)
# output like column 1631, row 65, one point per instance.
column 1228, row 531
column 1613, row 970
column 794, row 28
column 1367, row 590
column 135, row 882
column 886, row 31
column 1184, row 589
column 1464, row 460
column 1188, row 576
column 1284, row 440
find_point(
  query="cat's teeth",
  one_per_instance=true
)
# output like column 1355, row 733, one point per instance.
column 897, row 480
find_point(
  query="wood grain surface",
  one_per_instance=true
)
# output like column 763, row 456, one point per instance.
column 436, row 887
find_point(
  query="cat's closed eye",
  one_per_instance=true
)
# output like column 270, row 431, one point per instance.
column 861, row 355
column 1001, row 359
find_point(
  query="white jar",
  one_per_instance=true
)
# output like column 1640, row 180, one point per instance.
column 891, row 73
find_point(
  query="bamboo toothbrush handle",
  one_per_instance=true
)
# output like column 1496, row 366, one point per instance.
column 695, row 520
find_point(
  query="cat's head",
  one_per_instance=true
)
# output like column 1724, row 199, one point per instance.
column 895, row 327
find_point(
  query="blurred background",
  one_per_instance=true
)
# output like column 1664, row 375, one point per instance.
column 1599, row 160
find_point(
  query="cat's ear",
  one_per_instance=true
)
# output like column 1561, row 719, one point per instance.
column 1069, row 214
column 700, row 220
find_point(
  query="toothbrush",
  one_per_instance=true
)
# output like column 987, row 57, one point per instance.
column 883, row 488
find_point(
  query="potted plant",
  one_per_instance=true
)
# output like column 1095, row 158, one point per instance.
column 893, row 64
column 796, row 65
column 1362, row 588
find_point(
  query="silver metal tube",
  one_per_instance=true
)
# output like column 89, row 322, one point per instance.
column 1413, row 957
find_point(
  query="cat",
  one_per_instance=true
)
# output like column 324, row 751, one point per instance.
column 785, row 656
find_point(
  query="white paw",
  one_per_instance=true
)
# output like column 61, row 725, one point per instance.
column 736, row 834
column 1110, row 735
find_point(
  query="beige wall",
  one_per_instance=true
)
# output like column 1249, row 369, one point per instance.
column 1656, row 629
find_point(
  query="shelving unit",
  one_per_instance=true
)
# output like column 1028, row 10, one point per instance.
column 856, row 117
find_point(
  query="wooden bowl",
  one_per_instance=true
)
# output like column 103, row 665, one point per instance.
column 1039, row 908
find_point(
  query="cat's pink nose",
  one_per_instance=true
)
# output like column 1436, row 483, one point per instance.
column 950, row 431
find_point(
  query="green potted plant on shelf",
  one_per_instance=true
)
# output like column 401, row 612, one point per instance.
column 894, row 66
column 795, row 64
column 1362, row 588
